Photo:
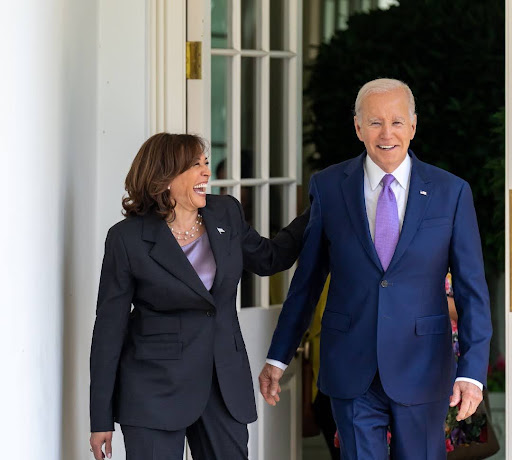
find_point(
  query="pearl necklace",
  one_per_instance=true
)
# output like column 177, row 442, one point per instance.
column 189, row 233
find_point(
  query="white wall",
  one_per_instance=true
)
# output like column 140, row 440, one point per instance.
column 122, row 128
column 80, row 239
column 106, row 108
column 32, row 187
column 48, row 181
column 72, row 117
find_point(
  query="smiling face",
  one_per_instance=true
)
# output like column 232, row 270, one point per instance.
column 385, row 127
column 188, row 189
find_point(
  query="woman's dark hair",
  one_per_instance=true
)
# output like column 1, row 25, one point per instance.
column 160, row 159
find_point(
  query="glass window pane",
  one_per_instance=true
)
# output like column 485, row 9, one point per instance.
column 249, row 105
column 278, row 25
column 278, row 282
column 343, row 14
column 217, row 190
column 329, row 19
column 249, row 21
column 220, row 24
column 219, row 164
column 248, row 285
column 278, row 136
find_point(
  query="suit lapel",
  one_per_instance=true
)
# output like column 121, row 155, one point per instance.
column 219, row 234
column 420, row 189
column 353, row 194
column 168, row 253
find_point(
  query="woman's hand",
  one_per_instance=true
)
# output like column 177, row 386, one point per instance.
column 97, row 440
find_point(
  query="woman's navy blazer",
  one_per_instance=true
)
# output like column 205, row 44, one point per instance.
column 159, row 332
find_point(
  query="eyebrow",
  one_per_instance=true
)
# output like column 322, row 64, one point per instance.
column 371, row 120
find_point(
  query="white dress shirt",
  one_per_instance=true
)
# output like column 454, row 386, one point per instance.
column 373, row 176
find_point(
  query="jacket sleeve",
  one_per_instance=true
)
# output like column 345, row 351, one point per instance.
column 306, row 287
column 112, row 314
column 470, row 291
column 265, row 256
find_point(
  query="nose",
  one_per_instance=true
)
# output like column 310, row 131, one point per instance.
column 206, row 171
column 385, row 131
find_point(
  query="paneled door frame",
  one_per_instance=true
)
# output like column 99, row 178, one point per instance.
column 166, row 89
column 176, row 104
column 257, row 321
column 293, row 123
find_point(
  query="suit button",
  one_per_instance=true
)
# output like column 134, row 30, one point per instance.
column 210, row 313
column 384, row 283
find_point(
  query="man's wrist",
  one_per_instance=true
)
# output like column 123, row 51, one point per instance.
column 276, row 363
column 473, row 381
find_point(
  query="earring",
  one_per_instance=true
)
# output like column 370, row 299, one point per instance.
column 169, row 188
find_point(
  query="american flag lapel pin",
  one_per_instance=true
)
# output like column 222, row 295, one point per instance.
column 221, row 230
column 423, row 192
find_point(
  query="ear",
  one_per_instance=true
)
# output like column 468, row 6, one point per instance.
column 357, row 126
column 414, row 123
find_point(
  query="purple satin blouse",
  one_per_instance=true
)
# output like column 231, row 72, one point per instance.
column 200, row 255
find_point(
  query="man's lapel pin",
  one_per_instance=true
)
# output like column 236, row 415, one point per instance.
column 221, row 230
column 422, row 192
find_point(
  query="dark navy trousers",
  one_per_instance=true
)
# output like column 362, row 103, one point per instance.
column 417, row 431
column 215, row 435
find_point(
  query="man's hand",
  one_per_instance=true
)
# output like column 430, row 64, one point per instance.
column 97, row 440
column 269, row 383
column 468, row 395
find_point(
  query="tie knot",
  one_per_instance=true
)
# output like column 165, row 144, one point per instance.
column 387, row 180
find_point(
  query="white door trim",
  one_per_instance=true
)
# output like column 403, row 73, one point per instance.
column 167, row 64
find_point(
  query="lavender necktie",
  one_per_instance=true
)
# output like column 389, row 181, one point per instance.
column 387, row 225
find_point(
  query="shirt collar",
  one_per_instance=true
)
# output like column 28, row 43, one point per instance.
column 375, row 174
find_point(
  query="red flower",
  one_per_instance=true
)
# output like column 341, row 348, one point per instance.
column 500, row 363
column 389, row 437
column 449, row 445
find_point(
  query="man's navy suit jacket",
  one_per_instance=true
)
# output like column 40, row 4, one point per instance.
column 393, row 321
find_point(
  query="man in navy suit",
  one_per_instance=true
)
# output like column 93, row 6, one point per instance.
column 388, row 227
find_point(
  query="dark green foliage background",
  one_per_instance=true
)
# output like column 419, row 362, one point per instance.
column 452, row 55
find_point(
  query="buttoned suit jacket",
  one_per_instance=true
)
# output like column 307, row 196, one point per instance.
column 394, row 321
column 159, row 332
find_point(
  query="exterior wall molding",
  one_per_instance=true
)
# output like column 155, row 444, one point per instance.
column 167, row 21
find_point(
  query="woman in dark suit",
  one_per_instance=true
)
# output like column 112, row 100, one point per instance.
column 175, row 364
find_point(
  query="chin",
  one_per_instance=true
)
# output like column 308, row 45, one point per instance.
column 200, row 203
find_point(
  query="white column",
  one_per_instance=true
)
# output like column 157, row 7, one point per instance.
column 48, row 273
column 31, row 230
column 81, row 241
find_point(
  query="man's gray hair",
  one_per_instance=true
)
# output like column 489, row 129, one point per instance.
column 384, row 85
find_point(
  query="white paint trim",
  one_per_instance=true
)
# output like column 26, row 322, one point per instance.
column 167, row 59
column 252, row 53
column 224, row 52
column 234, row 106
column 198, row 101
column 297, row 48
column 252, row 182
